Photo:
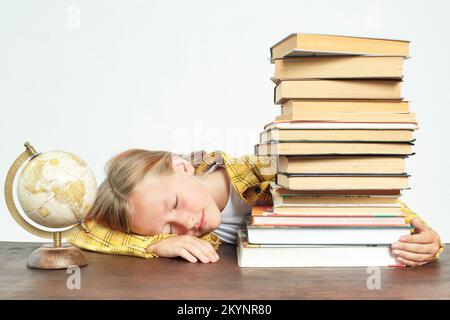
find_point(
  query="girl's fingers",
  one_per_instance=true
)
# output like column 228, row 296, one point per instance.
column 417, row 257
column 208, row 249
column 428, row 248
column 425, row 237
column 186, row 255
column 197, row 252
column 410, row 263
column 418, row 225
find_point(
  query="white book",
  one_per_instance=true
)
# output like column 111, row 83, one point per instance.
column 285, row 256
column 325, row 235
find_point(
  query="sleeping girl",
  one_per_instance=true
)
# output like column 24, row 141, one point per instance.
column 159, row 204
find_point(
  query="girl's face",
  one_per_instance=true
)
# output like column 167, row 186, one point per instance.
column 179, row 203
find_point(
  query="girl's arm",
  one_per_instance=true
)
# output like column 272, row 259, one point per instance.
column 421, row 247
column 105, row 240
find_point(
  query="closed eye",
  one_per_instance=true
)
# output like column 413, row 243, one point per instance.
column 176, row 202
column 174, row 207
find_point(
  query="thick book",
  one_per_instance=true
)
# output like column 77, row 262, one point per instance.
column 277, row 190
column 284, row 256
column 342, row 164
column 339, row 67
column 342, row 182
column 333, row 201
column 344, row 135
column 336, row 89
column 268, row 216
column 307, row 44
column 329, row 105
column 322, row 125
column 325, row 235
column 385, row 117
column 333, row 211
column 332, row 148
column 295, row 221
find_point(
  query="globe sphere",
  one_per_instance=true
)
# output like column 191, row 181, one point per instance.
column 56, row 189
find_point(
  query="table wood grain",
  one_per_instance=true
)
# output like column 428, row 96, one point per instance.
column 122, row 277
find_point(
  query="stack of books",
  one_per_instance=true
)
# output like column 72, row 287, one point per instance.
column 340, row 145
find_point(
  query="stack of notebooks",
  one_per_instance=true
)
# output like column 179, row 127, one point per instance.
column 340, row 145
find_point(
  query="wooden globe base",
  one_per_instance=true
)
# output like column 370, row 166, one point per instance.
column 50, row 257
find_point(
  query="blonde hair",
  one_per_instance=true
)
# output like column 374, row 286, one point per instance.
column 123, row 173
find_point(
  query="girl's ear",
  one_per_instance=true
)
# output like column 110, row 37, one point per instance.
column 182, row 166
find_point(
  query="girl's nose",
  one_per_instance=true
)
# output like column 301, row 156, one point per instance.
column 186, row 220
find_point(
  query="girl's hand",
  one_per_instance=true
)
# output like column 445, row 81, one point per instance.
column 186, row 246
column 419, row 248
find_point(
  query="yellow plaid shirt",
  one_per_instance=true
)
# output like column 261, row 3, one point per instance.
column 250, row 175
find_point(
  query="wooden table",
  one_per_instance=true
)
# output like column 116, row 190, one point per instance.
column 122, row 277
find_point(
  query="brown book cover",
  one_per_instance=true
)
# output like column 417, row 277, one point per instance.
column 336, row 89
column 336, row 135
column 342, row 105
column 339, row 67
column 307, row 44
column 342, row 181
column 332, row 148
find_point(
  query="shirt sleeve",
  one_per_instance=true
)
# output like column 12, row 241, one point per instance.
column 410, row 215
column 105, row 240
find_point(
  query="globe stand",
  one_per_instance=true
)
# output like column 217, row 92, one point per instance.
column 56, row 256
column 50, row 256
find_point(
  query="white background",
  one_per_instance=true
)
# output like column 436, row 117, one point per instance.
column 99, row 77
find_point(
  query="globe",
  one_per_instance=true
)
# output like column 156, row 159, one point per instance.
column 56, row 189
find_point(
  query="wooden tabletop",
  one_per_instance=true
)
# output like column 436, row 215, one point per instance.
column 122, row 277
